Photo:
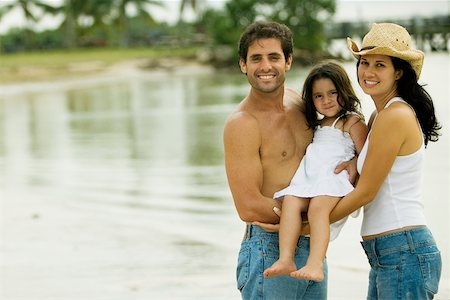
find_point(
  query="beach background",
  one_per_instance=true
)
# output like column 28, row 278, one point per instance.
column 113, row 187
column 112, row 183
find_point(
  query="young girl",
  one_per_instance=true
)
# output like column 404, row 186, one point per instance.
column 338, row 136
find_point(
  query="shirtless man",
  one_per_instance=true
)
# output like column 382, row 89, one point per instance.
column 265, row 139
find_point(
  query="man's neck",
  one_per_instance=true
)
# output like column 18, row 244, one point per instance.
column 267, row 101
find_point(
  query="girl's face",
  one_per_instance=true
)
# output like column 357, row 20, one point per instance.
column 325, row 97
column 377, row 76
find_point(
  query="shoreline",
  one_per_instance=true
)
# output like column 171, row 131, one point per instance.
column 96, row 66
column 82, row 74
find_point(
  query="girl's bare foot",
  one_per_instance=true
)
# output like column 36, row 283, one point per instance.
column 309, row 272
column 280, row 268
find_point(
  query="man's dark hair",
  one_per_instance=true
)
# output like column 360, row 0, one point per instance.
column 266, row 30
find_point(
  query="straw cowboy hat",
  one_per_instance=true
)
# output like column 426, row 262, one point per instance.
column 389, row 39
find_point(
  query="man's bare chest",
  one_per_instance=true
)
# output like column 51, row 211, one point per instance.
column 283, row 144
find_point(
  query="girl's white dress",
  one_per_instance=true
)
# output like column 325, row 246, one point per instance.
column 315, row 175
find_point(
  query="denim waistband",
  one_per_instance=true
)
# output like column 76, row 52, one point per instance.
column 408, row 240
column 253, row 230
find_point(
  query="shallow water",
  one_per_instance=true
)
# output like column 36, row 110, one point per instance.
column 114, row 188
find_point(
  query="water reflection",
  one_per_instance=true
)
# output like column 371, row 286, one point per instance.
column 138, row 138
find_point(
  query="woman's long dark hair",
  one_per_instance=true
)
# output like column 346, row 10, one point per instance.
column 415, row 95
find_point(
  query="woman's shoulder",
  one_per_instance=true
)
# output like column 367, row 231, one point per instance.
column 397, row 111
column 398, row 118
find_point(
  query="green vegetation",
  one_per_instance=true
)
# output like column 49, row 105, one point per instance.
column 105, row 23
column 97, row 33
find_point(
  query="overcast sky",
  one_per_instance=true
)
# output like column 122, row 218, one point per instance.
column 361, row 10
column 347, row 10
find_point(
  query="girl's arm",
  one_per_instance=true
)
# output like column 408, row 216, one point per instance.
column 358, row 131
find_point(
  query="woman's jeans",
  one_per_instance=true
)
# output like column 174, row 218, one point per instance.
column 259, row 250
column 404, row 265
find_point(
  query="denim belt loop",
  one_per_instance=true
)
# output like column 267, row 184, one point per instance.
column 248, row 234
column 373, row 247
column 410, row 241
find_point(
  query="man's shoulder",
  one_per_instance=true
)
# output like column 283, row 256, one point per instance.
column 240, row 116
column 241, row 120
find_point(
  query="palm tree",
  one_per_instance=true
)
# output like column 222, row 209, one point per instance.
column 73, row 10
column 183, row 4
column 30, row 10
column 122, row 18
column 101, row 13
column 27, row 7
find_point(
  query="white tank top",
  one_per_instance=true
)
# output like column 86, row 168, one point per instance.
column 398, row 202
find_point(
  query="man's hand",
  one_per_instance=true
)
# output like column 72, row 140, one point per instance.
column 350, row 166
column 305, row 229
column 276, row 227
column 268, row 226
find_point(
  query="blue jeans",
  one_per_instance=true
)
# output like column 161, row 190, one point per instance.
column 404, row 265
column 259, row 250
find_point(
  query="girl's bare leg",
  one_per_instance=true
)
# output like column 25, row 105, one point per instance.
column 290, row 228
column 319, row 219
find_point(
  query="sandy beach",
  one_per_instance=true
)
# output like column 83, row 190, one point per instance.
column 97, row 69
column 103, row 227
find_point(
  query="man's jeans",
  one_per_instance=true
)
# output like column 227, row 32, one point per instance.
column 259, row 250
column 404, row 265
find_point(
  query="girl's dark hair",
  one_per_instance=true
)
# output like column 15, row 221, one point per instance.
column 346, row 95
column 415, row 95
column 266, row 30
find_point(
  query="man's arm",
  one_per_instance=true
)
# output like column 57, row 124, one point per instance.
column 242, row 142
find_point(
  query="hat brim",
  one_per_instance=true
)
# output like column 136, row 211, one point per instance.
column 413, row 57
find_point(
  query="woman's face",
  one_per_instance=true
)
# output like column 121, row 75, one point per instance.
column 377, row 76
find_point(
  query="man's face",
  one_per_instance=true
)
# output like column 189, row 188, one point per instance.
column 266, row 65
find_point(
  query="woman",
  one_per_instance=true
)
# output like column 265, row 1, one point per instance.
column 405, row 261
